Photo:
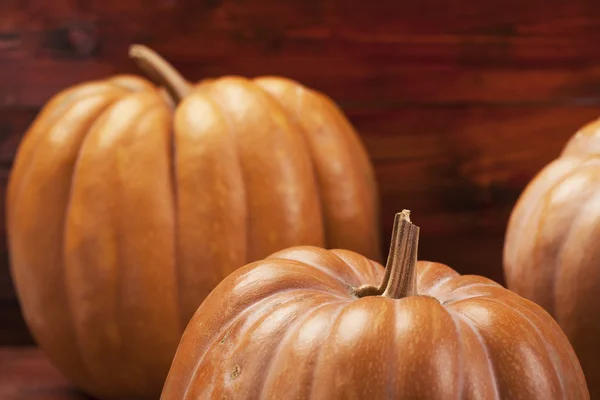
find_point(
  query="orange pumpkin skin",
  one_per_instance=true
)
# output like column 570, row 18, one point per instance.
column 291, row 327
column 551, row 252
column 124, row 211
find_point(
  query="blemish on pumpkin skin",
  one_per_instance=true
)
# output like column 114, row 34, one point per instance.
column 237, row 370
column 225, row 337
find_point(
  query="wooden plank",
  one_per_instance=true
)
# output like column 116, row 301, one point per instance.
column 26, row 374
column 396, row 52
column 423, row 17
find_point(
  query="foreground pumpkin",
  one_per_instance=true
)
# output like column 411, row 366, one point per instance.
column 551, row 252
column 127, row 206
column 308, row 323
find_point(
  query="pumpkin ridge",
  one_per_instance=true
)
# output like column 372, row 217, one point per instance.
column 292, row 115
column 291, row 329
column 222, row 333
column 567, row 235
column 209, row 187
column 205, row 88
column 371, row 271
column 545, row 207
column 115, row 349
column 47, row 120
column 24, row 174
column 65, row 281
column 254, row 324
column 318, row 268
column 461, row 349
column 146, row 371
column 438, row 286
column 491, row 368
column 174, row 201
column 517, row 308
column 319, row 357
column 329, row 129
column 539, row 226
column 524, row 215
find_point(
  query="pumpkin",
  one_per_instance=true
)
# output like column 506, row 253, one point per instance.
column 551, row 252
column 310, row 323
column 128, row 203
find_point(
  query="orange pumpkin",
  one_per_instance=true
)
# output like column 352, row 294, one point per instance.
column 309, row 323
column 126, row 207
column 551, row 252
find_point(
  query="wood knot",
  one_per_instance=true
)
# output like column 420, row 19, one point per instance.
column 77, row 39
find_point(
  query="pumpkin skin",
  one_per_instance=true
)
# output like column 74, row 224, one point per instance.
column 124, row 210
column 292, row 327
column 551, row 252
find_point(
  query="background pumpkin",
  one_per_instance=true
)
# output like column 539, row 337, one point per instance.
column 126, row 206
column 551, row 252
column 308, row 323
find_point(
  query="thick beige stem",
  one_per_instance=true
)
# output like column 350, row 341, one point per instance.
column 400, row 271
column 159, row 71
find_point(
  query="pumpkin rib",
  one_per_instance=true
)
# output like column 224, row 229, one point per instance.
column 528, row 216
column 335, row 150
column 327, row 257
column 576, row 287
column 314, row 266
column 472, row 285
column 50, row 116
column 319, row 356
column 209, row 188
column 321, row 360
column 546, row 208
column 428, row 270
column 289, row 213
column 219, row 335
column 491, row 369
column 421, row 321
column 543, row 183
column 460, row 351
column 550, row 353
column 291, row 330
column 367, row 274
column 107, row 156
column 225, row 330
column 79, row 110
column 146, row 367
column 273, row 306
column 534, row 311
column 532, row 328
column 568, row 236
column 100, row 122
column 76, row 342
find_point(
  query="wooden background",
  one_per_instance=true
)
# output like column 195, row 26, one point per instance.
column 459, row 103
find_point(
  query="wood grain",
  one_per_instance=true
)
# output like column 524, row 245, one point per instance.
column 458, row 106
column 26, row 374
column 391, row 52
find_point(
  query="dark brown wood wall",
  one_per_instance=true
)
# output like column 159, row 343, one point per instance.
column 459, row 103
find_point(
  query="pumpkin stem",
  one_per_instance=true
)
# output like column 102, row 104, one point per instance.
column 400, row 278
column 159, row 71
